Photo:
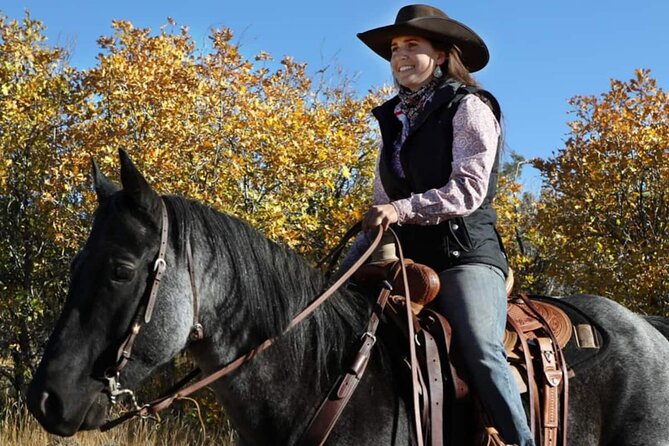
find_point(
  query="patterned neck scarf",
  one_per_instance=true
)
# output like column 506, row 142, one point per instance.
column 412, row 103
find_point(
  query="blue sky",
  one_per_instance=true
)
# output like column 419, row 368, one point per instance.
column 542, row 52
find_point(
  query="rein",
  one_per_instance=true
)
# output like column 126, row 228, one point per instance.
column 153, row 408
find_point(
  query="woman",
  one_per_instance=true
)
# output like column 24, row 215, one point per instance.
column 436, row 179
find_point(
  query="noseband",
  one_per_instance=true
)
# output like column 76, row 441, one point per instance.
column 145, row 312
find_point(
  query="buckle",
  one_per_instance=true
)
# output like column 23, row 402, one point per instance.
column 367, row 335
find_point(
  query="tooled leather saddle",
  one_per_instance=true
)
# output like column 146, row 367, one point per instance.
column 537, row 331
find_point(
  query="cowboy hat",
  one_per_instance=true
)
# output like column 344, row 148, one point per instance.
column 433, row 24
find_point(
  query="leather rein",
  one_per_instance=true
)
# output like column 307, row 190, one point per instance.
column 144, row 313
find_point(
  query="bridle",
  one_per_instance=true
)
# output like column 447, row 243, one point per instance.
column 145, row 312
column 320, row 426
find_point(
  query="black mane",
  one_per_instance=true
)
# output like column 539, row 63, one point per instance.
column 275, row 282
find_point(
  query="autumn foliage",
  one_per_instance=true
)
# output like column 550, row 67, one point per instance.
column 258, row 142
column 253, row 137
column 38, row 94
column 604, row 212
column 294, row 156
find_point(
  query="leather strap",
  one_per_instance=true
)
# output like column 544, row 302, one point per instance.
column 328, row 413
column 460, row 387
column 529, row 369
column 160, row 404
column 196, row 331
column 412, row 345
column 424, row 400
column 562, row 363
column 330, row 410
column 552, row 379
column 332, row 257
column 435, row 385
column 144, row 313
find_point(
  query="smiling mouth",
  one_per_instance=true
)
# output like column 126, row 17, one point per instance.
column 405, row 68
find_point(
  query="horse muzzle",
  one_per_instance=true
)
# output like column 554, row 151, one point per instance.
column 66, row 418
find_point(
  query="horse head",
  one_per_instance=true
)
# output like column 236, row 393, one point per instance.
column 110, row 281
column 116, row 327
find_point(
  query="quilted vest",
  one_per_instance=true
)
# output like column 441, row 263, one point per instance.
column 426, row 156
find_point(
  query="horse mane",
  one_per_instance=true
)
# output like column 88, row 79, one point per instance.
column 272, row 284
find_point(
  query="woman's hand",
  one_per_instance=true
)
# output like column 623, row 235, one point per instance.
column 382, row 215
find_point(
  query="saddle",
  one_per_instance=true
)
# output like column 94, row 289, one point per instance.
column 535, row 335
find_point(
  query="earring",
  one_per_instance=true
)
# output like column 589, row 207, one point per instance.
column 437, row 72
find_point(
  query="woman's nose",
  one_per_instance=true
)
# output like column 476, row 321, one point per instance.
column 399, row 55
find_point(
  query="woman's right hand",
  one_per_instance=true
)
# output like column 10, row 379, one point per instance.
column 382, row 215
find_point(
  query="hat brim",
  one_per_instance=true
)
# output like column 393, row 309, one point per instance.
column 475, row 54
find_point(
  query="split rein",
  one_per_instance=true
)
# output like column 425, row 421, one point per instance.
column 143, row 316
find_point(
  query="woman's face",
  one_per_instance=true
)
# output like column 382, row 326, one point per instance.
column 413, row 60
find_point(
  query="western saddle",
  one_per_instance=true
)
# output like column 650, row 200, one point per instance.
column 536, row 333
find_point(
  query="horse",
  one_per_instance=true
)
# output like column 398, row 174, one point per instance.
column 249, row 288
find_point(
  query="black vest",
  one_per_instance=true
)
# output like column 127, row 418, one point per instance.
column 426, row 157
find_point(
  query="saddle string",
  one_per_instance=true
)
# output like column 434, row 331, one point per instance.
column 162, row 403
column 532, row 389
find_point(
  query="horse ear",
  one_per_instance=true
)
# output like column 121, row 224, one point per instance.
column 104, row 188
column 134, row 183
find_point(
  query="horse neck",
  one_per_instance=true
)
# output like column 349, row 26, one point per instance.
column 247, row 299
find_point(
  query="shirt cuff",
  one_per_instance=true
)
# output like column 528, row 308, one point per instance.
column 404, row 210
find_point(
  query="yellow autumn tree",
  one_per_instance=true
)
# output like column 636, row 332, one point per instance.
column 253, row 137
column 605, row 206
column 516, row 210
column 250, row 137
column 38, row 96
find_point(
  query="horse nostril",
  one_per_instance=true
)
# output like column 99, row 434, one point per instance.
column 42, row 403
column 48, row 406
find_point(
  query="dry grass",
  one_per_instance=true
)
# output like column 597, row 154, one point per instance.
column 19, row 428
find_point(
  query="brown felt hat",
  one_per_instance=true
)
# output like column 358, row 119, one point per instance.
column 433, row 24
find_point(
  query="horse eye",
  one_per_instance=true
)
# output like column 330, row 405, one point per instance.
column 123, row 273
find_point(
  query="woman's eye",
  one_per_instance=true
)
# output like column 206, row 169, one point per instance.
column 123, row 273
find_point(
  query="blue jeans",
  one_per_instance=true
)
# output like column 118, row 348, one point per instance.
column 473, row 299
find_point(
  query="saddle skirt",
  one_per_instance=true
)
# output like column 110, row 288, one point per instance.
column 525, row 319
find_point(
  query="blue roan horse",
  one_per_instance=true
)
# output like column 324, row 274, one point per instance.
column 249, row 289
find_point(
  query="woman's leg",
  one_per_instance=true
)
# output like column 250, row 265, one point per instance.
column 473, row 299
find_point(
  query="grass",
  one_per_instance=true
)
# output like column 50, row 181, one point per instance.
column 199, row 422
column 19, row 428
